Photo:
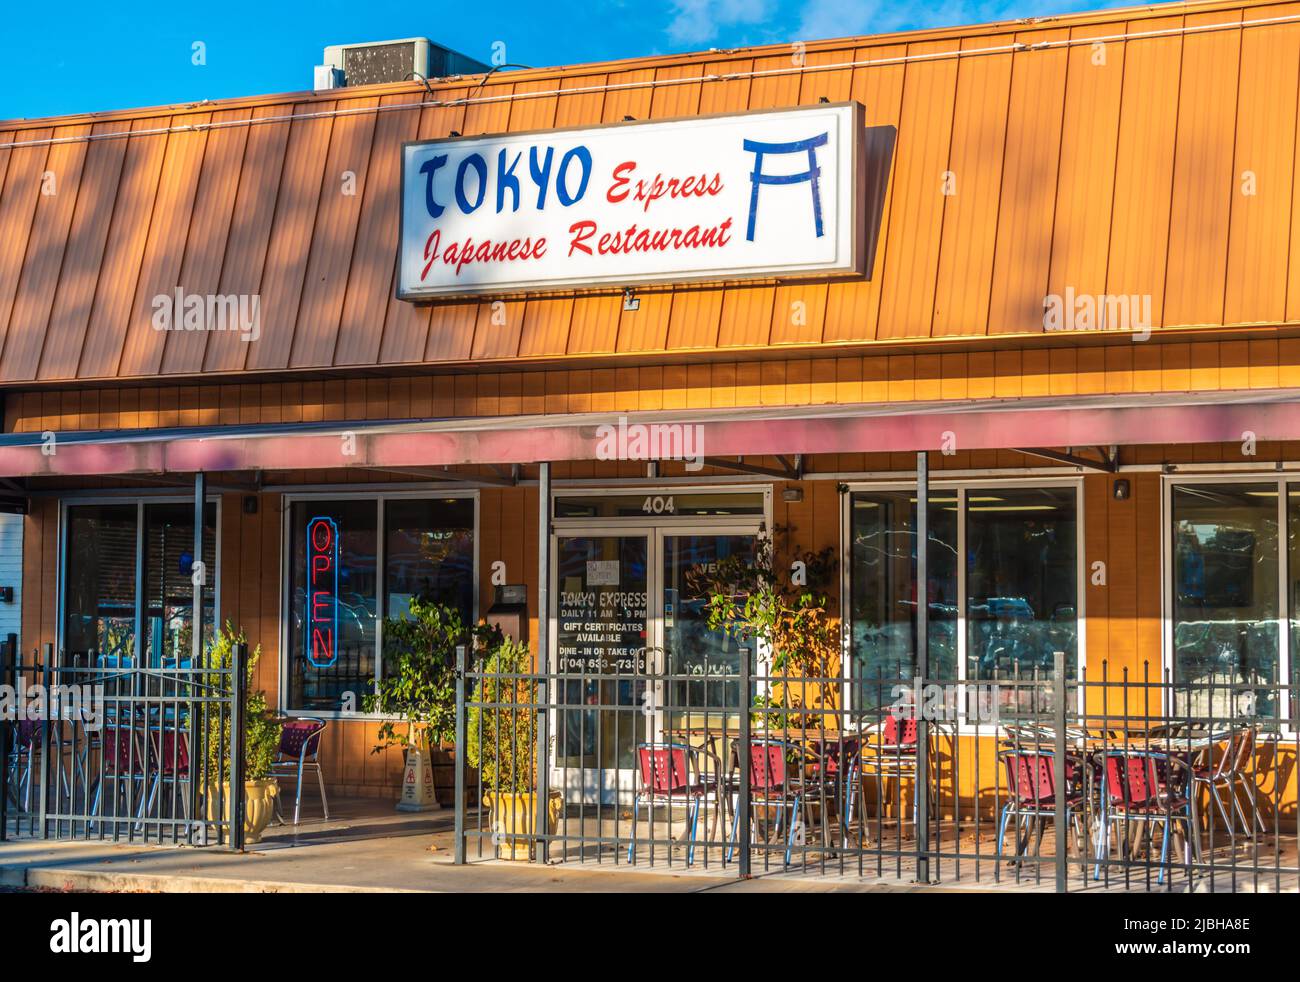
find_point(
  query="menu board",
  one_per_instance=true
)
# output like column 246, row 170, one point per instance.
column 602, row 606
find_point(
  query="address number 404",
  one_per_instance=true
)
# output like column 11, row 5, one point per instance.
column 658, row 504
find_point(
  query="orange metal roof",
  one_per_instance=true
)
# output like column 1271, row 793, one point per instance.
column 1159, row 161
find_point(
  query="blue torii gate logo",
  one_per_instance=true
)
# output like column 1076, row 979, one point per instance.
column 812, row 175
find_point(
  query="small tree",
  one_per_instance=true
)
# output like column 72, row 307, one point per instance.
column 761, row 598
column 502, row 728
column 420, row 684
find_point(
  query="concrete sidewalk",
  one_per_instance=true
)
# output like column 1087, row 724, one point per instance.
column 361, row 852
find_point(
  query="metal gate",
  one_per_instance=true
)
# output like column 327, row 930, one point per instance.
column 104, row 749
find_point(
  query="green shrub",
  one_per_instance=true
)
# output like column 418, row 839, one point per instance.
column 261, row 726
column 502, row 726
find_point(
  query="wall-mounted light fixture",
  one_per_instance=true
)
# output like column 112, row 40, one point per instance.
column 1121, row 489
column 630, row 300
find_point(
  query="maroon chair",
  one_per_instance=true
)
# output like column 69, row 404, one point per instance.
column 669, row 774
column 122, row 757
column 299, row 751
column 898, row 733
column 170, row 759
column 889, row 753
column 1141, row 788
column 22, row 756
column 1032, row 796
column 779, row 779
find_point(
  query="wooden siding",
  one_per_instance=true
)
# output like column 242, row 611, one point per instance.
column 1265, row 360
column 1148, row 165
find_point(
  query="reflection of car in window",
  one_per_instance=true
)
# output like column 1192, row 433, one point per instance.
column 1006, row 638
column 356, row 614
column 1000, row 608
column 1215, row 566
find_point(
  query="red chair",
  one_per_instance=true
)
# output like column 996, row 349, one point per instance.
column 889, row 753
column 669, row 774
column 1032, row 796
column 779, row 780
column 122, row 758
column 299, row 751
column 171, row 764
column 1140, row 788
column 22, row 755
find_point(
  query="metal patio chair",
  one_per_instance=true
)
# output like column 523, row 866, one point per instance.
column 1140, row 789
column 888, row 752
column 169, row 751
column 122, row 758
column 669, row 774
column 22, row 756
column 24, row 749
column 784, row 778
column 1224, row 777
column 299, row 751
column 1032, row 797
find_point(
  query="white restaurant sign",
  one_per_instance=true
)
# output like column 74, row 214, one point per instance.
column 761, row 194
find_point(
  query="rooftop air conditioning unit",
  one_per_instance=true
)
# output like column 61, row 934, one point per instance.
column 375, row 62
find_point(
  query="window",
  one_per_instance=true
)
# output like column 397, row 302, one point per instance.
column 168, row 586
column 1012, row 551
column 106, row 605
column 882, row 584
column 1292, row 652
column 1021, row 581
column 426, row 550
column 1226, row 574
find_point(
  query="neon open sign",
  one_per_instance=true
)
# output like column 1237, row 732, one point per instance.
column 322, row 592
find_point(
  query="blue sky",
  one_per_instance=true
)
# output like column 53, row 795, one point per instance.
column 97, row 56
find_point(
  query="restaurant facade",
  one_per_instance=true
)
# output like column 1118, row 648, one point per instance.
column 561, row 334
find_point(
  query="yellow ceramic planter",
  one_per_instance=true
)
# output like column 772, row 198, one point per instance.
column 514, row 819
column 259, row 805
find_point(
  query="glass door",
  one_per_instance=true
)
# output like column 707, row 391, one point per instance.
column 629, row 627
column 601, row 629
column 702, row 663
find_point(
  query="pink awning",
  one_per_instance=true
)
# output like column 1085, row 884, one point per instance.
column 1221, row 417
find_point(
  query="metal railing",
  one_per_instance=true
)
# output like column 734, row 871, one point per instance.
column 1039, row 781
column 104, row 749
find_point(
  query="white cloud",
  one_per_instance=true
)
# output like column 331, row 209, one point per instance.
column 843, row 18
column 835, row 18
column 698, row 21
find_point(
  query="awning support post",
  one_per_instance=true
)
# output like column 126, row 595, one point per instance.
column 198, row 571
column 542, row 826
column 922, row 666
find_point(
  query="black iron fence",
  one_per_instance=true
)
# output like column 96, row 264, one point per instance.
column 100, row 748
column 1038, row 781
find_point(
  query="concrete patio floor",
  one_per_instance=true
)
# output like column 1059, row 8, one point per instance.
column 364, row 847
column 367, row 846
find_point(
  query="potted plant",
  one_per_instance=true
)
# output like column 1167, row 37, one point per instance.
column 261, row 742
column 419, row 688
column 502, row 738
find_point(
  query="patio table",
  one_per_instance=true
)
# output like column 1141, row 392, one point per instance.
column 822, row 745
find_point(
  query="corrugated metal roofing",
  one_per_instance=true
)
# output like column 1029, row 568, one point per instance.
column 1160, row 163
